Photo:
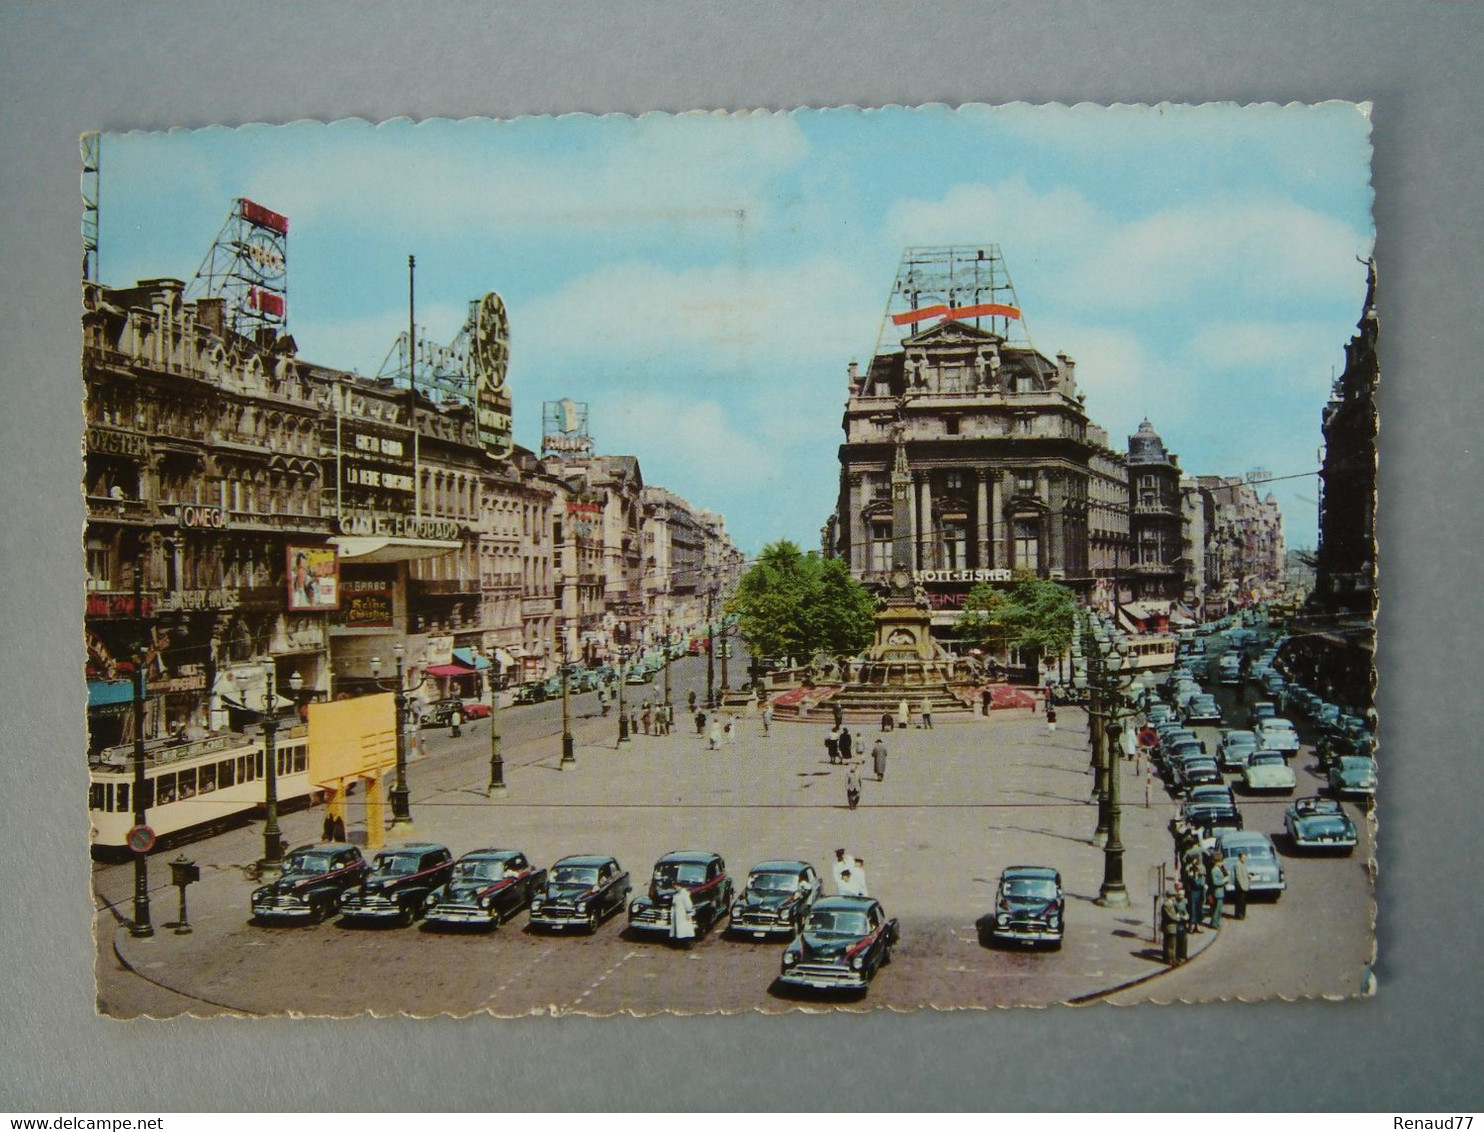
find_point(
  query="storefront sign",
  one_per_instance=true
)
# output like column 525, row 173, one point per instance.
column 376, row 524
column 491, row 363
column 365, row 603
column 199, row 515
column 116, row 443
column 116, row 605
column 961, row 575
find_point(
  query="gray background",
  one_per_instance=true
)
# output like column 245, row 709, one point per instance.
column 114, row 66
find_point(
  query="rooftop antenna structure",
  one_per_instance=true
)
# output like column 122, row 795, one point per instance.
column 248, row 267
column 445, row 369
column 92, row 156
column 966, row 282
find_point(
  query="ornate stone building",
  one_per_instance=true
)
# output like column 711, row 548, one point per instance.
column 1001, row 461
column 1157, row 572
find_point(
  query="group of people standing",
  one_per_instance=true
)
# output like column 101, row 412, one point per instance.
column 1198, row 897
column 841, row 747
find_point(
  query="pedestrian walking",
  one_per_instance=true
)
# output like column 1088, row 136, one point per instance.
column 682, row 917
column 1129, row 742
column 925, row 709
column 328, row 832
column 633, row 722
column 886, row 721
column 847, row 745
column 1171, row 924
column 1241, row 886
column 1218, row 878
column 832, row 744
column 339, row 828
column 734, row 725
column 455, row 724
column 839, row 715
column 1050, row 719
column 714, row 736
column 984, row 701
column 878, row 760
column 904, row 714
column 645, row 719
column 700, row 723
column 602, row 701
column 767, row 717
column 1195, row 880
column 852, row 788
column 690, row 701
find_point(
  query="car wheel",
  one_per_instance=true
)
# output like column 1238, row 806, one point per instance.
column 318, row 911
column 592, row 923
column 408, row 913
column 886, row 956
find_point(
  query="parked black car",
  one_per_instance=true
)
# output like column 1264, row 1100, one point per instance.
column 1030, row 906
column 845, row 941
column 581, row 892
column 313, row 878
column 703, row 874
column 776, row 899
column 399, row 884
column 487, row 887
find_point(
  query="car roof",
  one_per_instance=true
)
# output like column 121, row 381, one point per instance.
column 411, row 847
column 1042, row 872
column 323, row 848
column 587, row 860
column 491, row 854
column 780, row 867
column 1242, row 837
column 844, row 904
column 688, row 857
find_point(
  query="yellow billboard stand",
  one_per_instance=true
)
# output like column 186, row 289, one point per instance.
column 354, row 741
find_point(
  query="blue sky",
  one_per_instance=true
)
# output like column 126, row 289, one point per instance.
column 702, row 281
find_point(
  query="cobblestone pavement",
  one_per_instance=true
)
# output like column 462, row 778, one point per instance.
column 958, row 804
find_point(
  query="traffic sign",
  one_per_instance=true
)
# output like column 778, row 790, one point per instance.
column 141, row 839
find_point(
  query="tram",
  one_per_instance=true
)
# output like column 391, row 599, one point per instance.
column 1150, row 651
column 192, row 789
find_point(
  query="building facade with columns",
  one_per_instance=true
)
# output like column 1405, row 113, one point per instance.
column 997, row 442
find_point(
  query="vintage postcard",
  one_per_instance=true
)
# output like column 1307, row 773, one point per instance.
column 732, row 561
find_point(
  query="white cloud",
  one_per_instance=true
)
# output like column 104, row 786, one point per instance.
column 1028, row 225
column 1308, row 345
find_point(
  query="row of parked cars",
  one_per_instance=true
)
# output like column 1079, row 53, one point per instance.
column 835, row 941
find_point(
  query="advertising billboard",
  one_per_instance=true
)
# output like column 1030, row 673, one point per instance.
column 314, row 578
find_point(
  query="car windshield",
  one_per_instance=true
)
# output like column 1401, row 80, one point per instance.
column 838, row 923
column 1276, row 725
column 313, row 863
column 1267, row 759
column 477, row 870
column 396, row 864
column 688, row 873
column 1356, row 764
column 773, row 882
column 1241, row 739
column 1029, row 888
column 574, row 876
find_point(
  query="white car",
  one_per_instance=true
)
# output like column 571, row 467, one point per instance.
column 1268, row 771
column 1277, row 734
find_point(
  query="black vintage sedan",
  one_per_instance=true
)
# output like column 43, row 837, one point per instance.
column 581, row 892
column 1029, row 907
column 776, row 899
column 701, row 873
column 845, row 941
column 488, row 886
column 313, row 878
column 399, row 884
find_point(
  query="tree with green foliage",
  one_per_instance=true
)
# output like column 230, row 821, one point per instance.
column 795, row 604
column 1033, row 615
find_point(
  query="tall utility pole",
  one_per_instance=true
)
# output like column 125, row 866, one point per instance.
column 141, row 926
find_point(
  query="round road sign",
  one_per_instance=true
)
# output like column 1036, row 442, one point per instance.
column 141, row 839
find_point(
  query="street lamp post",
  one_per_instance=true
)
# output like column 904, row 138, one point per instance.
column 1113, row 893
column 401, row 810
column 666, row 647
column 623, row 715
column 271, row 865
column 567, row 756
column 711, row 649
column 141, row 926
column 497, row 761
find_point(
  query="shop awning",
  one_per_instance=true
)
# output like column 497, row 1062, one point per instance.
column 377, row 549
column 279, row 703
column 101, row 693
column 448, row 670
column 470, row 659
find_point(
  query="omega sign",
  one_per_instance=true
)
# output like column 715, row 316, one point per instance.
column 194, row 515
column 374, row 524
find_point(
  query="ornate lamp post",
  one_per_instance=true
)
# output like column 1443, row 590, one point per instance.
column 497, row 761
column 1108, row 677
column 567, row 756
column 401, row 810
column 711, row 649
column 272, row 863
column 140, row 926
column 623, row 715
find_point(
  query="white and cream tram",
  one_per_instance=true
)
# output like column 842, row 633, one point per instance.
column 1149, row 651
column 192, row 789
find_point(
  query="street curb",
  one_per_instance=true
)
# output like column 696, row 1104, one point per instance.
column 1095, row 996
column 137, row 973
